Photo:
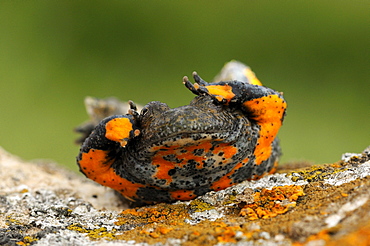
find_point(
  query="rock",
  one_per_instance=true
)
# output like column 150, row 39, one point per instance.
column 44, row 204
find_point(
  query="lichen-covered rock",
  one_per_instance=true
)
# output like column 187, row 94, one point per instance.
column 43, row 204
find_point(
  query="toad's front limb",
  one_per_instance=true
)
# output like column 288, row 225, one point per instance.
column 103, row 148
column 260, row 104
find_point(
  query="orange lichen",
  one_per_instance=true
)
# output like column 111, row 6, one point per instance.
column 159, row 213
column 159, row 231
column 360, row 237
column 162, row 221
column 321, row 236
column 270, row 203
column 225, row 233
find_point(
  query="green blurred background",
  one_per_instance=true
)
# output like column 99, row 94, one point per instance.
column 54, row 53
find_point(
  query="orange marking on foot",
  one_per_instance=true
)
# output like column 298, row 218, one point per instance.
column 118, row 129
column 268, row 111
column 221, row 91
column 95, row 165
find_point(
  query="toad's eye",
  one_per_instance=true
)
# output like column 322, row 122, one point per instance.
column 144, row 111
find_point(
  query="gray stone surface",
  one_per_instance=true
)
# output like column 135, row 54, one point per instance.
column 44, row 204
